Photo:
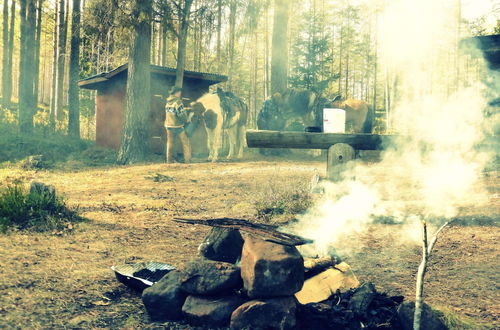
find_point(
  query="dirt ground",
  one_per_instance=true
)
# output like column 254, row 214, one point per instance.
column 64, row 280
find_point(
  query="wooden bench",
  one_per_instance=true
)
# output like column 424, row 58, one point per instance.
column 341, row 147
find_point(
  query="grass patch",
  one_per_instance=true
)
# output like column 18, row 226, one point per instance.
column 453, row 320
column 39, row 211
column 464, row 221
column 56, row 149
column 93, row 156
column 282, row 202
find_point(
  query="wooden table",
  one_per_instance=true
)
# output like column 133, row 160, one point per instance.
column 341, row 147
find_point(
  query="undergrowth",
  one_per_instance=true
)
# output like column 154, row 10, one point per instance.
column 283, row 201
column 57, row 148
column 454, row 321
column 37, row 211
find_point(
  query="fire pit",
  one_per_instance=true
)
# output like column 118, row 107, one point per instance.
column 255, row 290
column 254, row 277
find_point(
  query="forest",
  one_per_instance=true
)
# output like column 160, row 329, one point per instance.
column 331, row 47
column 249, row 164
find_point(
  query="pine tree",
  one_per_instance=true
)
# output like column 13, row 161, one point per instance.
column 311, row 56
column 74, row 70
column 279, row 57
column 27, row 99
column 135, row 141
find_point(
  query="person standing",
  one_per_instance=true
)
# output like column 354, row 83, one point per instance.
column 175, row 121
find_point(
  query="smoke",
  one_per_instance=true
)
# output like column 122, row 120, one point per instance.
column 434, row 170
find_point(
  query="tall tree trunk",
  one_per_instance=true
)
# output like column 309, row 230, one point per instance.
column 43, row 82
column 375, row 64
column 159, row 44
column 200, row 45
column 153, row 44
column 164, row 44
column 233, row 6
column 266, row 53
column 254, row 79
column 135, row 141
column 7, row 93
column 27, row 102
column 182, row 42
column 37, row 46
column 279, row 56
column 340, row 59
column 5, row 52
column 61, row 53
column 74, row 72
column 219, row 28
column 52, row 118
column 348, row 40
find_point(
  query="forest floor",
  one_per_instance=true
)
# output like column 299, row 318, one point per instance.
column 63, row 280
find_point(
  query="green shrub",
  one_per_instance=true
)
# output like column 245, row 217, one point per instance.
column 38, row 211
column 279, row 200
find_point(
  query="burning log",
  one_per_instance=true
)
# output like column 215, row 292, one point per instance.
column 262, row 231
column 338, row 311
column 316, row 265
column 323, row 285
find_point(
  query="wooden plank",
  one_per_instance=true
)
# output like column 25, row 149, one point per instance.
column 303, row 140
column 265, row 232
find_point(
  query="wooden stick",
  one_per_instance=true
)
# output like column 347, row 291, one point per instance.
column 434, row 239
column 318, row 264
column 422, row 268
column 420, row 280
column 265, row 232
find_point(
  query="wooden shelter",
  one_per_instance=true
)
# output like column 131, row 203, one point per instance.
column 111, row 98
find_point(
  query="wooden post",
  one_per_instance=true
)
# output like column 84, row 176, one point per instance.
column 338, row 156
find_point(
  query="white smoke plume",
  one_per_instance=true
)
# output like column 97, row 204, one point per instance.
column 435, row 170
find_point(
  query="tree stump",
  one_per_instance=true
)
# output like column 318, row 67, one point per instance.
column 338, row 156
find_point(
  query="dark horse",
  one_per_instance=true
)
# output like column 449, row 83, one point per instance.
column 293, row 110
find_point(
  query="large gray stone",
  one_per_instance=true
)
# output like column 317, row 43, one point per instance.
column 164, row 299
column 222, row 244
column 270, row 314
column 211, row 311
column 271, row 270
column 207, row 277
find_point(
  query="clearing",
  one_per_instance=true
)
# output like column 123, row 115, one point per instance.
column 62, row 280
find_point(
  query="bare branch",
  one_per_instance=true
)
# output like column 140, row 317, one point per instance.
column 435, row 237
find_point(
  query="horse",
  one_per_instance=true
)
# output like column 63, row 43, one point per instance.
column 359, row 114
column 223, row 111
column 294, row 110
column 286, row 111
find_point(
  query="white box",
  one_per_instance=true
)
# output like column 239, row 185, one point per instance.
column 333, row 120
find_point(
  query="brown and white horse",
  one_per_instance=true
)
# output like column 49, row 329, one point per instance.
column 359, row 114
column 296, row 109
column 223, row 111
